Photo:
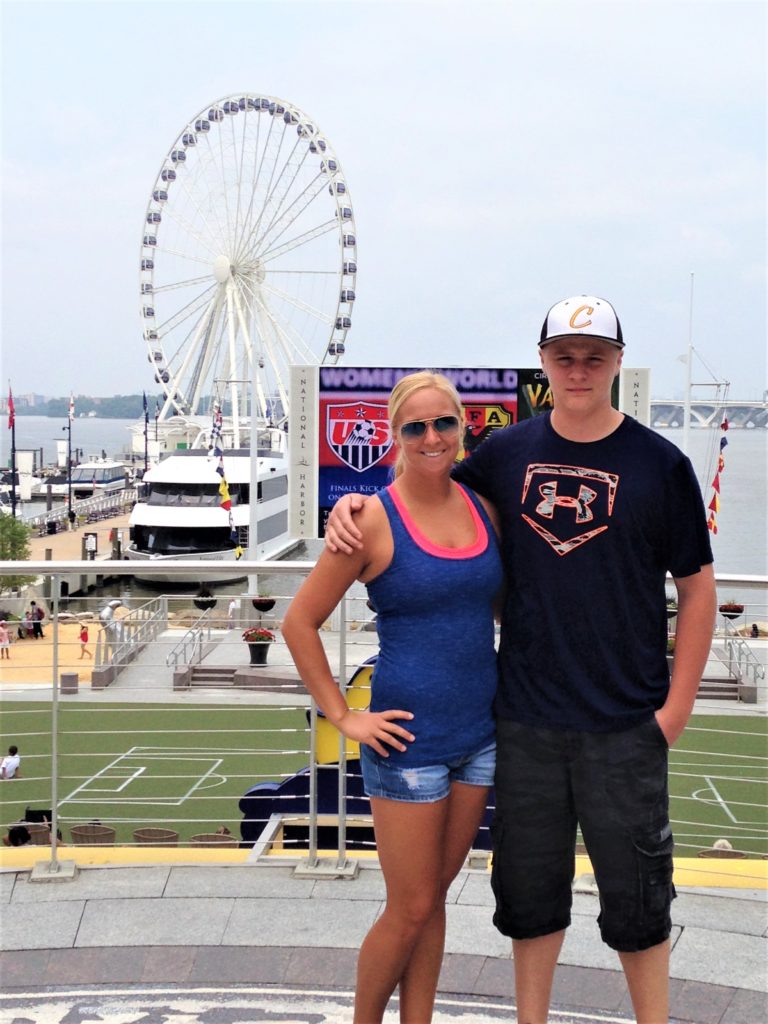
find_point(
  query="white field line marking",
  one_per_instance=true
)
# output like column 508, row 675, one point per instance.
column 86, row 788
column 127, row 779
column 719, row 799
column 88, row 782
column 720, row 778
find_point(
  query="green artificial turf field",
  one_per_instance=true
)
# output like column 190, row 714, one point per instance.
column 187, row 766
column 178, row 766
column 718, row 781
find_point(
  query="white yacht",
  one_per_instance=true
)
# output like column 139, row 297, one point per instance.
column 89, row 479
column 98, row 476
column 180, row 517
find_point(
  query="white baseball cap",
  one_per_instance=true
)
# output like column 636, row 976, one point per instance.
column 582, row 316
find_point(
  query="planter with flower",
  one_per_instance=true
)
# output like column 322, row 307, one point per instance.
column 204, row 599
column 258, row 640
column 731, row 609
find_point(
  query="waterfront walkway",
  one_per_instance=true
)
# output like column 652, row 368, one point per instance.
column 225, row 942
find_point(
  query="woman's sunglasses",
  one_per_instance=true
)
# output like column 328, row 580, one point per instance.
column 416, row 429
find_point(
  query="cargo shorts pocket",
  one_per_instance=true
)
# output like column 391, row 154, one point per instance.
column 655, row 871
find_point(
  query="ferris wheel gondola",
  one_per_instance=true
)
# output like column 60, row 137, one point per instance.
column 248, row 252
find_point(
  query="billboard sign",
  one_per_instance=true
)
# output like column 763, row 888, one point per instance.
column 339, row 436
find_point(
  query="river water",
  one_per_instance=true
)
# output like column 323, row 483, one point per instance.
column 740, row 546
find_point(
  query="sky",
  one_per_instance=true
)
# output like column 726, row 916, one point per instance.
column 500, row 156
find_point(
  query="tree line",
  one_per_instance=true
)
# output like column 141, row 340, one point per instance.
column 115, row 407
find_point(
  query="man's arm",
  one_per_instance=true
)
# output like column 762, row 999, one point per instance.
column 341, row 533
column 696, row 609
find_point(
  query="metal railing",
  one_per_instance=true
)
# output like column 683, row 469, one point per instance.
column 147, row 623
column 122, row 500
column 192, row 646
column 740, row 658
column 121, row 640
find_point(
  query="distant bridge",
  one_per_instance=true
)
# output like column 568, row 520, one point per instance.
column 670, row 412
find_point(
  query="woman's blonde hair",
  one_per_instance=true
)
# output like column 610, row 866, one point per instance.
column 408, row 386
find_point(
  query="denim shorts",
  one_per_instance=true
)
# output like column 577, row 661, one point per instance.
column 424, row 784
column 614, row 786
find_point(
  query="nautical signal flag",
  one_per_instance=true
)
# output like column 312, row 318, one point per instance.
column 71, row 407
column 226, row 499
column 146, row 408
column 11, row 409
column 714, row 505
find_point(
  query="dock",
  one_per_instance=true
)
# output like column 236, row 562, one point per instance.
column 106, row 537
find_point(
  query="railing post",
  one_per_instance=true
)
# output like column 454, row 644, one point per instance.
column 54, row 864
column 312, row 852
column 341, row 851
column 343, row 867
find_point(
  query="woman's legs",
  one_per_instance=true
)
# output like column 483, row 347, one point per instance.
column 418, row 984
column 421, row 848
column 408, row 838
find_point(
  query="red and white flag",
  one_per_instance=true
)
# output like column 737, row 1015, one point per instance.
column 71, row 407
column 11, row 409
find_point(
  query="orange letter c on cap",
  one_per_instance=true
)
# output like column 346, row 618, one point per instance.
column 589, row 310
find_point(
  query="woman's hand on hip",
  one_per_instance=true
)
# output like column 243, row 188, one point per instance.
column 377, row 728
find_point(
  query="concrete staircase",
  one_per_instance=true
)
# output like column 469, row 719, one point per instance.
column 717, row 683
column 247, row 677
column 213, row 675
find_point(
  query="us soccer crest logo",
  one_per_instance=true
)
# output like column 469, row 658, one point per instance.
column 358, row 433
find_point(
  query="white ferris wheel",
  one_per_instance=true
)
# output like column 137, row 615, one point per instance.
column 248, row 253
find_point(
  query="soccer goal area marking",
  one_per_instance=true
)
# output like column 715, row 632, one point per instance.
column 159, row 776
column 713, row 795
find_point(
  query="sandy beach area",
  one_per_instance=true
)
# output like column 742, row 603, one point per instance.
column 31, row 661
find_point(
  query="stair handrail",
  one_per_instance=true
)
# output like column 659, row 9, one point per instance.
column 195, row 638
column 118, row 641
column 742, row 660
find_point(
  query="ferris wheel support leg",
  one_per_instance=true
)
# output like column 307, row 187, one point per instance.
column 232, row 332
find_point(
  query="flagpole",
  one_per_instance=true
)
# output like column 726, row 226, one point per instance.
column 69, row 465
column 12, row 424
column 68, row 429
column 146, row 442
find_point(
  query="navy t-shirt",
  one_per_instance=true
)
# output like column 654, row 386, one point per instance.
column 589, row 531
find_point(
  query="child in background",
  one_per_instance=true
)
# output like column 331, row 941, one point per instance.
column 84, row 641
column 5, row 641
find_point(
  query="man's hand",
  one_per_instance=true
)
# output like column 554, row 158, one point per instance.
column 341, row 534
column 672, row 727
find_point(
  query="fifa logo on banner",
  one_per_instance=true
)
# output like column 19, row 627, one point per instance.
column 358, row 433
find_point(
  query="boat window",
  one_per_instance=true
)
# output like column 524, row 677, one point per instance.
column 273, row 487
column 174, row 540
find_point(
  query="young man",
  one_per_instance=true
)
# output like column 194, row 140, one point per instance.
column 9, row 766
column 595, row 509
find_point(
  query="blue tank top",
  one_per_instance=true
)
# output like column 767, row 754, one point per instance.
column 436, row 636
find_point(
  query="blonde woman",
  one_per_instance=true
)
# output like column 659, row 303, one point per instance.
column 431, row 563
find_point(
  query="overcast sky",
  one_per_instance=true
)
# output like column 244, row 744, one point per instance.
column 500, row 156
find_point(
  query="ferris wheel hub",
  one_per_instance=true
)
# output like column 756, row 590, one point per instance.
column 222, row 269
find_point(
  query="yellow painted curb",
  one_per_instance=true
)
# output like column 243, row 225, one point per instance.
column 691, row 872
